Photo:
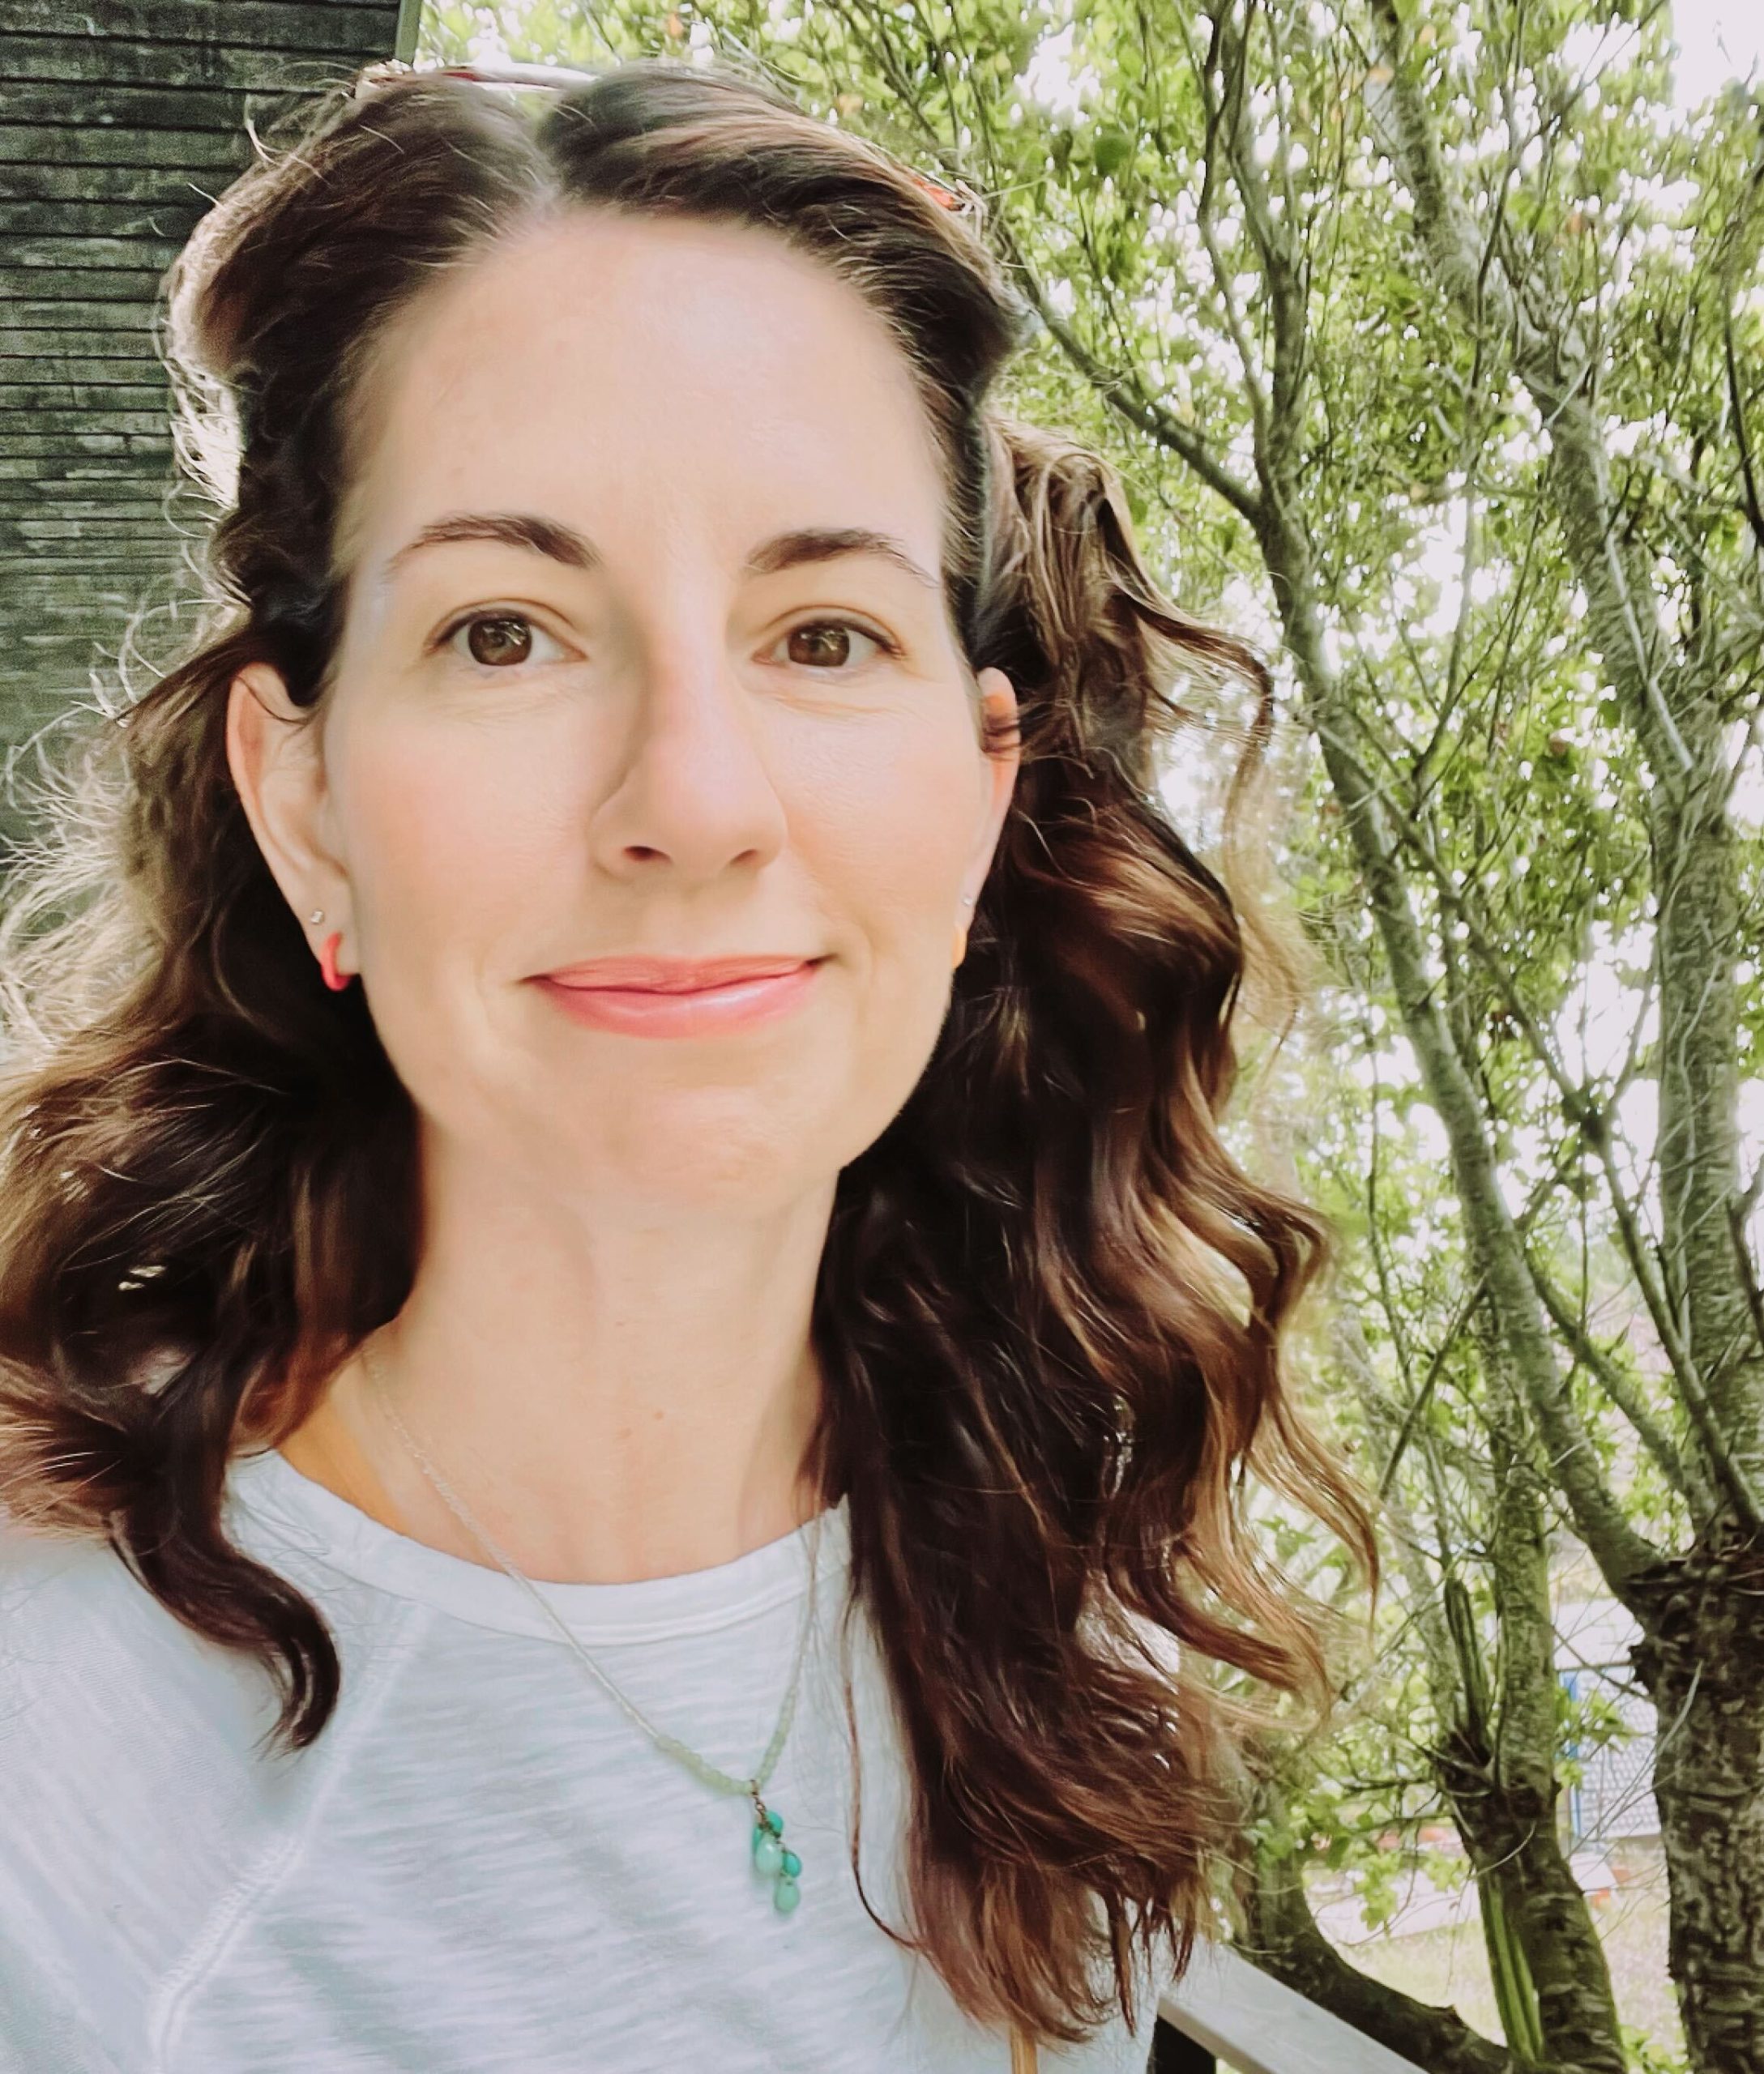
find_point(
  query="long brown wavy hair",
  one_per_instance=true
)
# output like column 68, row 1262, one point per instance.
column 1051, row 1311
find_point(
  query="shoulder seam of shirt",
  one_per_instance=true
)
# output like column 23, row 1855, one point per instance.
column 209, row 1946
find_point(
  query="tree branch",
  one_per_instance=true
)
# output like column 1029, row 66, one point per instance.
column 1125, row 395
column 1609, row 1378
column 1553, row 366
column 1280, row 1935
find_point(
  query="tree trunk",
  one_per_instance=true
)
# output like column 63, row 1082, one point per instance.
column 1501, row 1776
column 1506, row 1771
column 1280, row 1935
column 1511, row 1830
column 1703, row 1661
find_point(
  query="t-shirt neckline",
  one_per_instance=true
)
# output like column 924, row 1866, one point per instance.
column 291, row 1510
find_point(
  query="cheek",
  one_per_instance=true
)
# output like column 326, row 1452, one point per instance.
column 462, row 835
column 894, row 813
column 893, row 830
column 448, row 829
column 472, row 846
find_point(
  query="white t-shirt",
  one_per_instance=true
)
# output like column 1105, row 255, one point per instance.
column 482, row 1866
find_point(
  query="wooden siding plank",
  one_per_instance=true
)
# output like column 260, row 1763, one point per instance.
column 129, row 569
column 95, row 373
column 143, row 105
column 175, row 25
column 70, row 602
column 129, row 338
column 145, row 498
column 113, row 183
column 46, row 286
column 158, row 221
column 126, row 347
column 85, row 396
column 144, row 502
column 82, row 143
column 55, row 252
column 104, row 313
column 74, row 59
column 105, row 529
column 71, row 424
column 98, row 478
column 23, row 446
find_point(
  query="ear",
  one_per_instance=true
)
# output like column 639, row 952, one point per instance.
column 275, row 753
column 999, row 698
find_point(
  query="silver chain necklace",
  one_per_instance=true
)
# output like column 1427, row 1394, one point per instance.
column 771, row 1860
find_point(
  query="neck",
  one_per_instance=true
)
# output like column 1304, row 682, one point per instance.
column 614, row 1393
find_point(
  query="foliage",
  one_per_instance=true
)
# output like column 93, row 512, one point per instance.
column 1471, row 442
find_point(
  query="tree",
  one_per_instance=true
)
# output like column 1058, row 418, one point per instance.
column 1334, row 284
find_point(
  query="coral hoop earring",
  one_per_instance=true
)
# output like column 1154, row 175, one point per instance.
column 328, row 963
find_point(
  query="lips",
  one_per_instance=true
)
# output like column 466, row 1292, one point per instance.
column 696, row 1000
column 671, row 975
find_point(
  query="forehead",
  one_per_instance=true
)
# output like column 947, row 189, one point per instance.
column 705, row 378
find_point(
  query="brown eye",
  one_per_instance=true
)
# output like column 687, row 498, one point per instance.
column 826, row 644
column 497, row 640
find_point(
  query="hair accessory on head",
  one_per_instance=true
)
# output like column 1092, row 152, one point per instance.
column 960, row 201
column 377, row 75
column 487, row 76
column 945, row 197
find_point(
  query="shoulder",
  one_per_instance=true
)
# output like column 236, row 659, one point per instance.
column 123, row 1752
column 56, row 1590
column 90, row 1661
column 127, row 1770
column 114, row 1716
column 57, row 1595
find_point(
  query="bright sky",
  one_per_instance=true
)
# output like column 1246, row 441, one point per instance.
column 1718, row 40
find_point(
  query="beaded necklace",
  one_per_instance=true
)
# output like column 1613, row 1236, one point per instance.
column 770, row 1859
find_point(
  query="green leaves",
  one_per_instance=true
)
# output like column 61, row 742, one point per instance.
column 1259, row 338
column 1111, row 151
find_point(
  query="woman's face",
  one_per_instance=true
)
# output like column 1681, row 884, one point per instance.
column 645, row 720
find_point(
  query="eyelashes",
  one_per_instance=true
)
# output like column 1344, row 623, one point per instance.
column 443, row 642
column 847, row 625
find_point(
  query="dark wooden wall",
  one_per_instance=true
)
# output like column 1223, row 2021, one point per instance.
column 120, row 120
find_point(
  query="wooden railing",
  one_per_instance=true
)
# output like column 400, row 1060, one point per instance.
column 1228, row 2012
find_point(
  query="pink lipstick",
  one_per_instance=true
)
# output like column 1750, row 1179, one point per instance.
column 681, row 997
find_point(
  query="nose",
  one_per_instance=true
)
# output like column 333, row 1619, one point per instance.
column 695, row 793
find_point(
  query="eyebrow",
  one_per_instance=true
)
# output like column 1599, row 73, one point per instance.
column 563, row 543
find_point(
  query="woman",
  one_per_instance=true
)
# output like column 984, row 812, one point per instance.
column 495, row 1335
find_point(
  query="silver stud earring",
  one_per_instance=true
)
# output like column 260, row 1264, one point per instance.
column 316, row 916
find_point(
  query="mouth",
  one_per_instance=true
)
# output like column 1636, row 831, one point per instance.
column 709, row 1000
column 667, row 976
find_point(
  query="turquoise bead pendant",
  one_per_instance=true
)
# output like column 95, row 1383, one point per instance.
column 782, row 1866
